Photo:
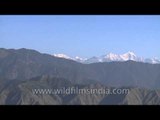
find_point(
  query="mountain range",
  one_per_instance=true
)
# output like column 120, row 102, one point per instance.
column 111, row 57
column 20, row 93
column 22, row 70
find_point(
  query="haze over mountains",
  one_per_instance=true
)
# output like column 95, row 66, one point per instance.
column 20, row 93
column 24, row 69
column 111, row 57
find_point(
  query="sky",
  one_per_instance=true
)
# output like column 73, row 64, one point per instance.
column 82, row 35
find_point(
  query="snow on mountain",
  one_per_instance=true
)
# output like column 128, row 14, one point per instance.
column 93, row 60
column 152, row 60
column 129, row 56
column 78, row 59
column 111, row 57
column 124, row 57
column 62, row 56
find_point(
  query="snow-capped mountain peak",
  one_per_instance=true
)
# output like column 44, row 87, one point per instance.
column 62, row 56
column 110, row 57
column 131, row 53
column 123, row 57
column 152, row 60
column 128, row 56
column 79, row 59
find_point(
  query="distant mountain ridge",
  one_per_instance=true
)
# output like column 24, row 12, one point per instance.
column 111, row 57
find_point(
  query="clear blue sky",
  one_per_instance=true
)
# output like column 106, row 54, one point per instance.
column 85, row 36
